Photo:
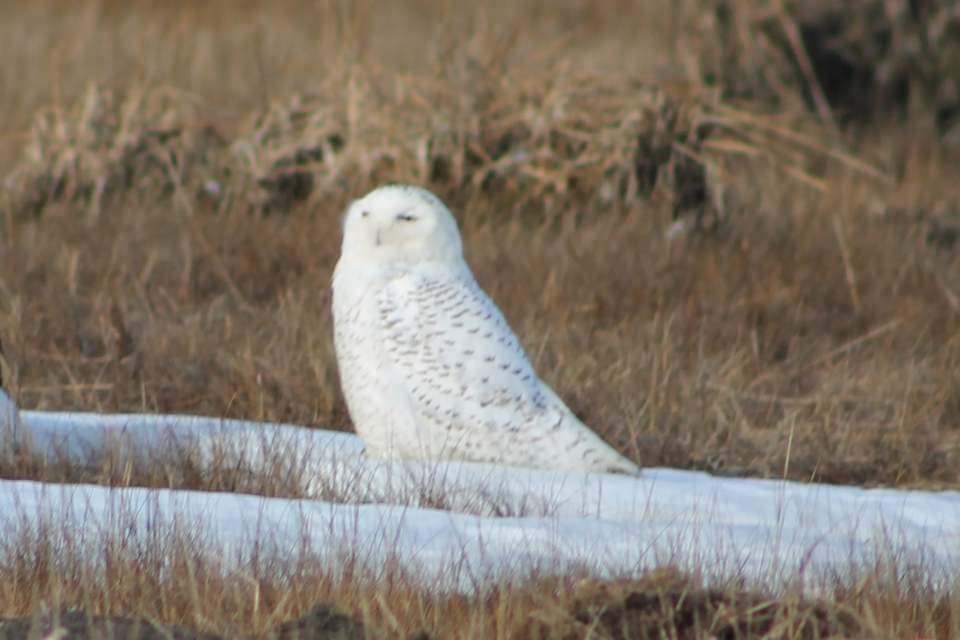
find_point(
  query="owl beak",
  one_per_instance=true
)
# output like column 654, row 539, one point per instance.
column 377, row 242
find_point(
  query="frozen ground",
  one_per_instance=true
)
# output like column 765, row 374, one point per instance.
column 495, row 523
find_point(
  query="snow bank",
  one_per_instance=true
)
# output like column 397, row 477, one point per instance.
column 496, row 523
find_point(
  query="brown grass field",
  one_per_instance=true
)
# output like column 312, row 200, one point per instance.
column 174, row 174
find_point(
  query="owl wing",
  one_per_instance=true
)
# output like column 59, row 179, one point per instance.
column 469, row 378
column 463, row 363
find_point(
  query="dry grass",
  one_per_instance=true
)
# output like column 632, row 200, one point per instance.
column 268, row 467
column 850, row 63
column 166, row 579
column 806, row 327
column 170, row 585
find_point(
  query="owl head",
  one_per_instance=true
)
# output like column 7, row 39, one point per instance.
column 400, row 223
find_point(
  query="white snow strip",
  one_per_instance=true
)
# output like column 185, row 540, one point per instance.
column 498, row 522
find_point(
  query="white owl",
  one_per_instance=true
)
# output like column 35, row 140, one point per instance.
column 429, row 367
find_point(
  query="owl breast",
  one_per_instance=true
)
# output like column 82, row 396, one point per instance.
column 372, row 387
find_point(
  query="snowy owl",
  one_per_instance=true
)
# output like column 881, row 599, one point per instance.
column 9, row 416
column 9, row 425
column 429, row 367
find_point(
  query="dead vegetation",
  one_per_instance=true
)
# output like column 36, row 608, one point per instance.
column 271, row 468
column 293, row 596
column 856, row 62
column 667, row 604
column 730, row 286
column 570, row 138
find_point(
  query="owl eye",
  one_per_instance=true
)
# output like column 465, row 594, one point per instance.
column 406, row 217
column 364, row 214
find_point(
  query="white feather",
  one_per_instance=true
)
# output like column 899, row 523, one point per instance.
column 429, row 366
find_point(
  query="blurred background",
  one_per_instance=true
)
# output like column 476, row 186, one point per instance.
column 726, row 231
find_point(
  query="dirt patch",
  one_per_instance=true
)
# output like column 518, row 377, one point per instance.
column 323, row 622
column 78, row 625
column 667, row 605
